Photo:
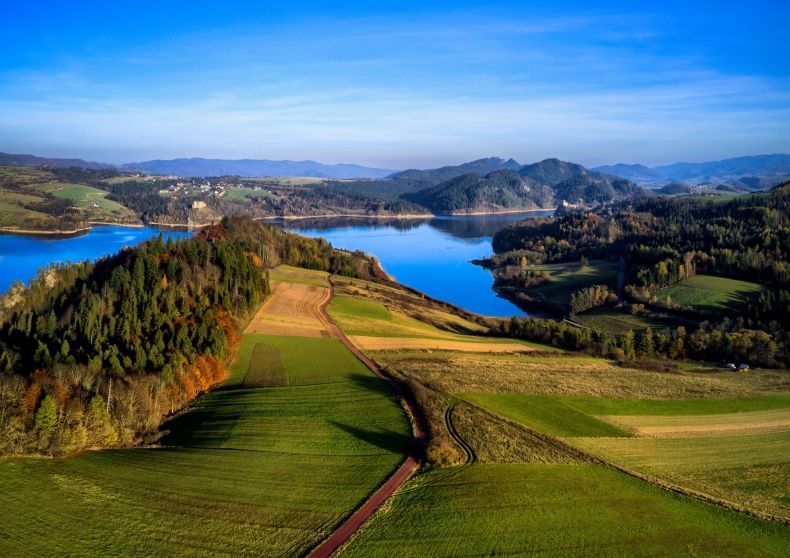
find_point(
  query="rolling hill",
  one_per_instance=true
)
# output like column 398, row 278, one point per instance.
column 473, row 193
column 751, row 166
column 26, row 160
column 442, row 174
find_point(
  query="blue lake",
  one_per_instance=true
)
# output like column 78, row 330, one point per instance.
column 22, row 256
column 432, row 255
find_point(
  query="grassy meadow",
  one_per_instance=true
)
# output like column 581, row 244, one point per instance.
column 248, row 470
column 545, row 414
column 618, row 323
column 25, row 201
column 608, row 410
column 388, row 313
column 555, row 509
column 709, row 293
column 565, row 278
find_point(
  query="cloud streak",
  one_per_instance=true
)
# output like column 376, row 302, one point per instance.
column 594, row 89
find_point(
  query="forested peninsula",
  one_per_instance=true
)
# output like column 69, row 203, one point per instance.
column 97, row 354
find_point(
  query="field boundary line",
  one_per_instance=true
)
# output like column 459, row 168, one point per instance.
column 403, row 473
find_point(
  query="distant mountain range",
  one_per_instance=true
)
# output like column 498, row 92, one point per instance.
column 197, row 167
column 254, row 167
column 11, row 160
column 755, row 172
column 757, row 166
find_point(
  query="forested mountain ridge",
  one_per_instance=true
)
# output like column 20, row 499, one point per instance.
column 469, row 193
column 96, row 354
column 552, row 171
column 541, row 185
column 442, row 174
column 595, row 188
column 201, row 167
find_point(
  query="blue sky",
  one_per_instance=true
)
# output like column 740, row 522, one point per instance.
column 396, row 84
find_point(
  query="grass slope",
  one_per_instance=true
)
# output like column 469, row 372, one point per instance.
column 25, row 201
column 359, row 317
column 248, row 471
column 550, row 510
column 546, row 414
column 711, row 294
column 617, row 323
column 564, row 278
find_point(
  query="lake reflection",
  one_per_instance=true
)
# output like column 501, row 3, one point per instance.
column 431, row 255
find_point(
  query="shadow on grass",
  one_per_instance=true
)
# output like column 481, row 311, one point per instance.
column 372, row 383
column 200, row 427
column 388, row 440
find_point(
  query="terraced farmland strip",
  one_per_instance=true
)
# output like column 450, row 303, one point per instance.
column 695, row 426
column 654, row 455
column 419, row 343
column 266, row 368
column 291, row 310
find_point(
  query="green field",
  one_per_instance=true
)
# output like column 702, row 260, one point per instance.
column 564, row 278
column 296, row 275
column 709, row 293
column 617, row 323
column 83, row 197
column 657, row 455
column 25, row 201
column 751, row 470
column 247, row 471
column 552, row 510
column 357, row 316
column 545, row 414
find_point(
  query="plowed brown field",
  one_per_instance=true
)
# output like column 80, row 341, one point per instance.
column 291, row 310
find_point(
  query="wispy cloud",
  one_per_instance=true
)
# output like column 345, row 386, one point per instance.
column 589, row 88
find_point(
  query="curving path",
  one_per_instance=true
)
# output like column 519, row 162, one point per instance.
column 402, row 473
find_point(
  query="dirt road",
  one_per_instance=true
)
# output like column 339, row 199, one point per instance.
column 400, row 476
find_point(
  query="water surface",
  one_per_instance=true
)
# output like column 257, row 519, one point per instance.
column 22, row 256
column 431, row 255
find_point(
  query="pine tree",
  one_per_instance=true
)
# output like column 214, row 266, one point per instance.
column 646, row 343
column 628, row 345
column 47, row 415
column 99, row 424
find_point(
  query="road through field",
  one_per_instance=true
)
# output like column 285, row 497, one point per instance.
column 401, row 475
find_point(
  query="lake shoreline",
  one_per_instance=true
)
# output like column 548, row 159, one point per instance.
column 60, row 233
